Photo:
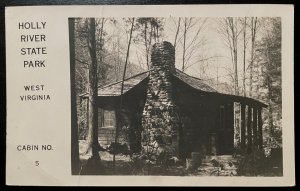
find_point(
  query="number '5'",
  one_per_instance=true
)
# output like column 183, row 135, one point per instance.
column 37, row 163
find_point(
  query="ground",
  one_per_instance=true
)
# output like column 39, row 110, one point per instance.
column 225, row 165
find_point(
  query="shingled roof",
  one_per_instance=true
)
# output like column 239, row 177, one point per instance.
column 193, row 81
column 114, row 89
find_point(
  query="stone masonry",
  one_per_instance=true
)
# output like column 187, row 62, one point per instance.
column 160, row 119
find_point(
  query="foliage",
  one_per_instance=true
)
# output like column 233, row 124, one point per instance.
column 111, row 53
column 140, row 165
column 253, row 164
column 258, row 164
column 268, row 62
column 148, row 31
column 111, row 48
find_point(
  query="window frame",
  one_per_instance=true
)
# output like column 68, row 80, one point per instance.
column 106, row 118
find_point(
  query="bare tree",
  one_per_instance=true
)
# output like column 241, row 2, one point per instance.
column 101, row 66
column 177, row 31
column 191, row 39
column 230, row 31
column 149, row 30
column 244, row 54
column 253, row 28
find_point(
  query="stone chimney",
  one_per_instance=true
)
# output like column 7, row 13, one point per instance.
column 160, row 117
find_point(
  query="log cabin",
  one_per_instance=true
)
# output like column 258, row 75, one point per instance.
column 166, row 109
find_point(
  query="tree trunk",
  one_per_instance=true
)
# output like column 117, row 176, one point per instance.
column 74, row 138
column 236, row 87
column 101, row 70
column 244, row 57
column 253, row 34
column 177, row 32
column 118, row 113
column 270, row 115
column 269, row 85
column 157, row 35
column 184, row 42
column 92, row 139
column 118, row 63
column 235, row 60
column 234, row 36
column 146, row 45
column 150, row 43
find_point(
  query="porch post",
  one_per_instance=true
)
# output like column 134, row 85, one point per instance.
column 243, row 124
column 231, row 124
column 260, row 134
column 255, row 128
column 249, row 130
column 87, row 112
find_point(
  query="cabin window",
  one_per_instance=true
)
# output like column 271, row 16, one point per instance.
column 107, row 118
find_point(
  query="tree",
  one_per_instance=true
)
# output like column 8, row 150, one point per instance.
column 229, row 30
column 191, row 39
column 269, row 59
column 177, row 32
column 92, row 139
column 149, row 31
column 102, row 67
column 83, row 59
column 253, row 28
column 122, row 87
column 244, row 55
column 117, row 54
column 74, row 132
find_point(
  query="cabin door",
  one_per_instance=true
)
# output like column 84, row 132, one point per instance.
column 226, row 130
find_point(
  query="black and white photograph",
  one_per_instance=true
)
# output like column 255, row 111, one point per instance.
column 176, row 96
column 150, row 95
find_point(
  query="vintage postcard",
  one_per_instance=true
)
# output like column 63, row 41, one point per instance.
column 156, row 95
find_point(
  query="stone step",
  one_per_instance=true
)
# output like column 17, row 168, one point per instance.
column 207, row 164
column 227, row 161
column 225, row 157
column 227, row 167
column 206, row 160
column 220, row 158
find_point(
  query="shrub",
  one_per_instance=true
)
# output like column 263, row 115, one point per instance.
column 253, row 164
